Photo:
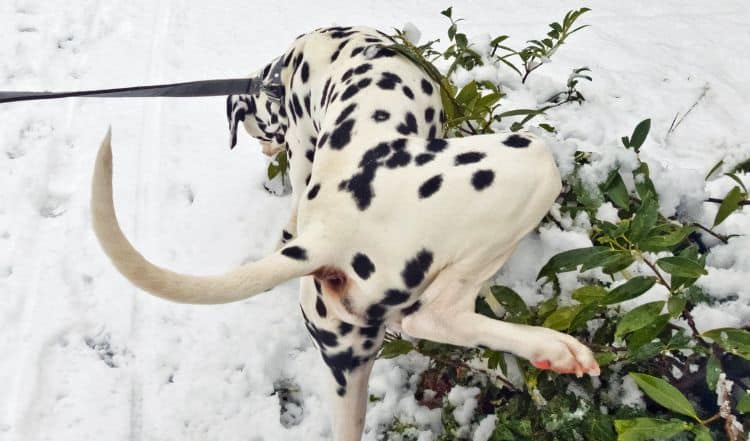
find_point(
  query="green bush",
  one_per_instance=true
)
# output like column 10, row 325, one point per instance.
column 683, row 372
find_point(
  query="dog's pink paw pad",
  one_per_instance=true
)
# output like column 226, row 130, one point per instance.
column 542, row 364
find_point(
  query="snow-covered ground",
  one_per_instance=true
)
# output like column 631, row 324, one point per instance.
column 85, row 356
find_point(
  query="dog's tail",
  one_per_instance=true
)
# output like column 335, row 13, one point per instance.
column 240, row 283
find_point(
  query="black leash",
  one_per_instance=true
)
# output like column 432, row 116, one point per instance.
column 193, row 88
column 271, row 85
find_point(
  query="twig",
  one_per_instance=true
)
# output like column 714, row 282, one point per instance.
column 712, row 233
column 674, row 126
column 656, row 271
column 719, row 201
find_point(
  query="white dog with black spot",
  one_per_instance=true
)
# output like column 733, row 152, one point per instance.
column 391, row 226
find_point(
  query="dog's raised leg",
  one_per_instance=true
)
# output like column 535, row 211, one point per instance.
column 447, row 316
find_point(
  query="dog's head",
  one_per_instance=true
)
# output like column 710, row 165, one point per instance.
column 262, row 114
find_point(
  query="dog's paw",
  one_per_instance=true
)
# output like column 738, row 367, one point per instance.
column 561, row 353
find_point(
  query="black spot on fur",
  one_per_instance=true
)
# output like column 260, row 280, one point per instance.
column 322, row 140
column 341, row 391
column 316, row 282
column 305, row 72
column 362, row 68
column 407, row 91
column 416, row 268
column 516, row 141
column 356, row 51
column 349, row 92
column 295, row 252
column 297, row 106
column 409, row 125
column 375, row 313
column 482, row 179
column 347, row 75
column 426, row 87
column 469, row 158
column 372, row 155
column 313, row 192
column 384, row 52
column 370, row 331
column 310, row 155
column 345, row 113
column 437, row 145
column 307, row 104
column 345, row 328
column 364, row 82
column 342, row 134
column 429, row 114
column 367, row 345
column 286, row 235
column 389, row 81
column 414, row 307
column 395, row 297
column 381, row 115
column 424, row 158
column 398, row 144
column 325, row 92
column 321, row 307
column 400, row 158
column 363, row 266
column 430, row 186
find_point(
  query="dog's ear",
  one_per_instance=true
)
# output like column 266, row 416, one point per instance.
column 238, row 107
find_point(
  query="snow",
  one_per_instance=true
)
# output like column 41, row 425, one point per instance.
column 87, row 356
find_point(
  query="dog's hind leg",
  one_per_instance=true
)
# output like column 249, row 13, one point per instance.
column 447, row 316
column 349, row 352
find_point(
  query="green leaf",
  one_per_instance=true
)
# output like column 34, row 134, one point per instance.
column 736, row 341
column 560, row 319
column 547, row 127
column 638, row 318
column 569, row 260
column 393, row 349
column 730, row 203
column 606, row 258
column 681, row 266
column 713, row 169
column 702, row 433
column 713, row 370
column 743, row 404
column 518, row 112
column 586, row 313
column 605, row 358
column 461, row 40
column 665, row 394
column 447, row 12
column 629, row 290
column 614, row 188
column 649, row 429
column 516, row 308
column 467, row 93
column 589, row 294
column 643, row 183
column 647, row 334
column 639, row 134
column 657, row 240
column 676, row 305
column 739, row 182
column 645, row 218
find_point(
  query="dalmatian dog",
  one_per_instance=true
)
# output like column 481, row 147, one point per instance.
column 392, row 225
